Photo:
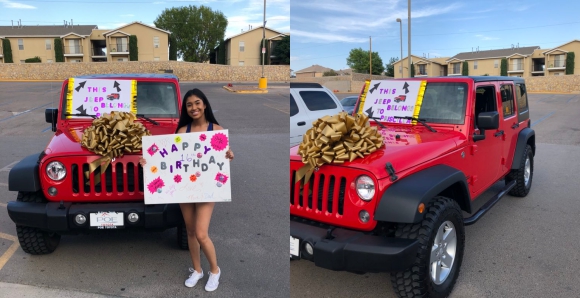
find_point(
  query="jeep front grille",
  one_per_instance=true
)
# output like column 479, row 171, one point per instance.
column 323, row 193
column 119, row 177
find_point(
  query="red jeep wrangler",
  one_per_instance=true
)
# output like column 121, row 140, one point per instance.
column 399, row 209
column 56, row 197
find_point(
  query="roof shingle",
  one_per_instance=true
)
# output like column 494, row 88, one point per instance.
column 14, row 31
column 494, row 53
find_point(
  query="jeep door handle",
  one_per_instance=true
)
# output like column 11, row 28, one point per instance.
column 515, row 125
column 301, row 123
column 499, row 133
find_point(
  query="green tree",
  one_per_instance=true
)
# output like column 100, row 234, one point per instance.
column 197, row 30
column 412, row 70
column 58, row 50
column 570, row 63
column 390, row 72
column 358, row 60
column 465, row 69
column 133, row 49
column 7, row 51
column 172, row 48
column 221, row 58
column 264, row 42
column 282, row 50
column 330, row 73
column 503, row 67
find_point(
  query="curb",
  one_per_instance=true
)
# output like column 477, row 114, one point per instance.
column 245, row 91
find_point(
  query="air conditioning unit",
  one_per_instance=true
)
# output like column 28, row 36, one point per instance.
column 156, row 46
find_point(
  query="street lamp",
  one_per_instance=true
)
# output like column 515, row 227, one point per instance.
column 401, row 23
column 263, row 82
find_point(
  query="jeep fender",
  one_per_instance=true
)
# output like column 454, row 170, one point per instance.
column 24, row 175
column 400, row 201
column 523, row 138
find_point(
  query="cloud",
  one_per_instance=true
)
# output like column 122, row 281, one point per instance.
column 10, row 4
column 483, row 37
column 325, row 37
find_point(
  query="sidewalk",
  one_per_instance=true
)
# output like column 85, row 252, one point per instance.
column 18, row 290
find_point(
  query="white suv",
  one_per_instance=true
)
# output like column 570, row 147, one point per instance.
column 308, row 102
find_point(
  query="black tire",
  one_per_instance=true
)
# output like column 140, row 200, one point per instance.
column 416, row 281
column 33, row 240
column 182, row 236
column 522, row 188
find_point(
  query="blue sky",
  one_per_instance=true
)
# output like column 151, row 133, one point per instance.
column 323, row 32
column 110, row 14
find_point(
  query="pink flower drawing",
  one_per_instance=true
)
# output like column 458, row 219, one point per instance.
column 219, row 177
column 219, row 141
column 177, row 178
column 155, row 185
column 202, row 137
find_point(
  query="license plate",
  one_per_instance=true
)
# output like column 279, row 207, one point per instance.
column 294, row 247
column 106, row 220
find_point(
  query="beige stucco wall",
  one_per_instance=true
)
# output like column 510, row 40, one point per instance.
column 32, row 47
column 185, row 71
column 252, row 45
column 145, row 35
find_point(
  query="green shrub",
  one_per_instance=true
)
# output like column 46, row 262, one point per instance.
column 412, row 70
column 503, row 67
column 133, row 49
column 172, row 48
column 33, row 60
column 465, row 69
column 570, row 63
column 58, row 50
column 7, row 49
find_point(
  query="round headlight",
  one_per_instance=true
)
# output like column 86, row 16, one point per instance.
column 365, row 188
column 55, row 170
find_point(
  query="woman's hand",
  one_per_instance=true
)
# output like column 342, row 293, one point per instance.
column 142, row 161
column 230, row 154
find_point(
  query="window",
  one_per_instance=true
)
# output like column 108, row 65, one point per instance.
column 241, row 63
column 517, row 64
column 444, row 103
column 293, row 106
column 156, row 42
column 507, row 100
column 155, row 58
column 422, row 70
column 474, row 64
column 20, row 44
column 484, row 101
column 559, row 61
column 48, row 44
column 317, row 100
column 75, row 60
column 157, row 99
column 241, row 46
column 74, row 47
column 495, row 63
column 522, row 101
column 121, row 59
column 22, row 61
column 456, row 68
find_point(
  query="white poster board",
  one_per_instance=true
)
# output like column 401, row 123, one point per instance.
column 100, row 96
column 386, row 99
column 187, row 168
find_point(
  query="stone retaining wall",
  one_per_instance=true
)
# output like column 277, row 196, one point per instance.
column 185, row 71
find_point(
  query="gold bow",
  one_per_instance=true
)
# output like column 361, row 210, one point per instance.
column 336, row 139
column 110, row 136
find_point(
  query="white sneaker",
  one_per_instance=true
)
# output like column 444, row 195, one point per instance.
column 193, row 278
column 213, row 281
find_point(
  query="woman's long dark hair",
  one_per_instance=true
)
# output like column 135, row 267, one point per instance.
column 185, row 119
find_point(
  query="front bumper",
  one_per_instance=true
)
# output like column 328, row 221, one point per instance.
column 348, row 250
column 53, row 217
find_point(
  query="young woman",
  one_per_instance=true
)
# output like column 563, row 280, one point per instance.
column 197, row 116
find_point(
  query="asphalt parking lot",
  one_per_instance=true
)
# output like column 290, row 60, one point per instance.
column 523, row 247
column 250, row 233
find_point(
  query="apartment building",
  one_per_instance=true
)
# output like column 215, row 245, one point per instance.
column 85, row 43
column 245, row 48
column 522, row 62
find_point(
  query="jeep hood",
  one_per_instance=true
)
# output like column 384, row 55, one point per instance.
column 67, row 141
column 414, row 146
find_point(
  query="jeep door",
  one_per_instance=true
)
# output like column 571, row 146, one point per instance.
column 508, row 123
column 486, row 161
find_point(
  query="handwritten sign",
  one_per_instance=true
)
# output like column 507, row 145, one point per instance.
column 100, row 96
column 386, row 99
column 187, row 168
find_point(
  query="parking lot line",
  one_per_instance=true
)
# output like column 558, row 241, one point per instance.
column 27, row 111
column 10, row 251
column 3, row 184
column 8, row 167
column 2, row 205
column 274, row 106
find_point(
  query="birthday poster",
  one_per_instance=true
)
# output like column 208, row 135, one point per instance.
column 99, row 96
column 187, row 168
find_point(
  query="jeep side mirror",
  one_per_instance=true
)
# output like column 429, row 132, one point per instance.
column 488, row 120
column 50, row 116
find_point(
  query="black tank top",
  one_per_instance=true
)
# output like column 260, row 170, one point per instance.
column 209, row 127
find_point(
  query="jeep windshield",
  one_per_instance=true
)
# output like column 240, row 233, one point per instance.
column 154, row 100
column 444, row 103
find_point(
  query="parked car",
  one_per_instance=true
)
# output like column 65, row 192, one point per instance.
column 348, row 103
column 58, row 195
column 399, row 209
column 308, row 102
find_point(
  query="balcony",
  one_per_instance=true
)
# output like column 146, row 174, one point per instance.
column 515, row 68
column 538, row 67
column 421, row 73
column 558, row 64
column 119, row 49
column 73, row 51
column 98, row 52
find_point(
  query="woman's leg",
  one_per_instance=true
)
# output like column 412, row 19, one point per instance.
column 188, row 211
column 203, row 213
